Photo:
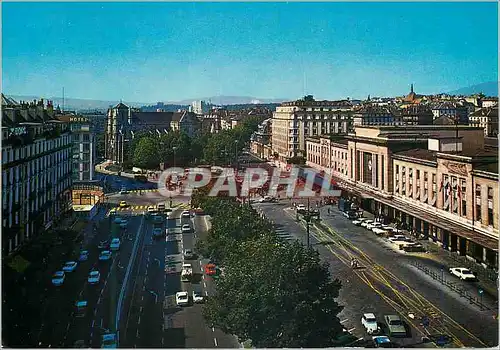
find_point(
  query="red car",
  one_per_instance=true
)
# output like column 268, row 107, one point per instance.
column 210, row 269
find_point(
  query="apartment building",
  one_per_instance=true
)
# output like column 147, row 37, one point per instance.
column 294, row 121
column 487, row 119
column 453, row 111
column 84, row 147
column 442, row 187
column 36, row 171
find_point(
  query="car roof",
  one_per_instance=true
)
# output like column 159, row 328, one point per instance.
column 94, row 272
column 182, row 293
column 81, row 303
column 393, row 317
column 369, row 315
column 381, row 339
column 115, row 240
column 70, row 262
column 58, row 273
column 111, row 336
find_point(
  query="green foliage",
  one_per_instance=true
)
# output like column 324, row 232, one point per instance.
column 146, row 153
column 277, row 294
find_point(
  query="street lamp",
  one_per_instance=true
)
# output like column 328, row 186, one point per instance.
column 174, row 148
column 308, row 217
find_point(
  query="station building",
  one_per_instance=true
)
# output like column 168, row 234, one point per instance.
column 439, row 180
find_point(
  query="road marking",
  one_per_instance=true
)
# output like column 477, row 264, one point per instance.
column 204, row 284
column 199, row 262
column 215, row 342
column 93, row 323
column 344, row 320
column 139, row 320
column 206, row 293
column 99, row 300
column 213, row 329
column 137, row 333
column 147, row 270
column 67, row 328
column 142, row 298
column 350, row 330
column 140, row 310
column 102, row 320
column 162, row 341
column 95, row 311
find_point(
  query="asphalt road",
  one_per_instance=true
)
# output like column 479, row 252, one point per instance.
column 152, row 318
column 361, row 295
column 61, row 327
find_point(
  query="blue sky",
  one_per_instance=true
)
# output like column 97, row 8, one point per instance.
column 148, row 52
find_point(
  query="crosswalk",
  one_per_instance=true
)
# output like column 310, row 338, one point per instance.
column 283, row 234
column 143, row 191
column 144, row 207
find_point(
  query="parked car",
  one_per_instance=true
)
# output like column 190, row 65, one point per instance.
column 181, row 298
column 115, row 244
column 94, row 277
column 366, row 222
column 186, row 214
column 373, row 225
column 198, row 298
column 58, row 278
column 103, row 244
column 395, row 325
column 186, row 228
column 84, row 255
column 152, row 209
column 109, row 341
column 123, row 204
column 463, row 273
column 351, row 215
column 161, row 207
column 369, row 321
column 81, row 308
column 379, row 231
column 398, row 238
column 359, row 221
column 105, row 255
column 123, row 190
column 70, row 266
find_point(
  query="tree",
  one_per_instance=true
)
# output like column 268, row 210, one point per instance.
column 276, row 294
column 146, row 153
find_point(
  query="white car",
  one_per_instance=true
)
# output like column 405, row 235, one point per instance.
column 197, row 297
column 58, row 278
column 366, row 223
column 94, row 277
column 123, row 190
column 369, row 321
column 379, row 231
column 301, row 208
column 359, row 221
column 373, row 225
column 115, row 244
column 105, row 255
column 70, row 266
column 182, row 298
column 186, row 228
column 398, row 238
column 463, row 273
column 151, row 209
column 186, row 214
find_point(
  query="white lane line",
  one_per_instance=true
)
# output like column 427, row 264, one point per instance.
column 204, row 284
column 67, row 328
column 213, row 329
column 344, row 320
column 137, row 333
column 206, row 293
column 162, row 341
column 139, row 320
column 350, row 330
column 140, row 310
column 93, row 323
column 146, row 270
column 99, row 300
column 215, row 342
column 199, row 262
column 142, row 298
column 102, row 320
column 95, row 311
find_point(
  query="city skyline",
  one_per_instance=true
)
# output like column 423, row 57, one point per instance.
column 330, row 50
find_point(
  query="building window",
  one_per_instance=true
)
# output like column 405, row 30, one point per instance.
column 463, row 196
column 382, row 173
column 490, row 206
column 478, row 203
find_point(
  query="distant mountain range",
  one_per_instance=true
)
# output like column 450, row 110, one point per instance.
column 489, row 89
column 84, row 104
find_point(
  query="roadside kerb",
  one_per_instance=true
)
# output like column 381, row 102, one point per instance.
column 462, row 292
column 125, row 281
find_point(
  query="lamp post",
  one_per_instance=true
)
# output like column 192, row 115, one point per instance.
column 307, row 217
column 174, row 149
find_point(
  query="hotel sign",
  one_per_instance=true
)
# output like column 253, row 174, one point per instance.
column 456, row 168
column 21, row 130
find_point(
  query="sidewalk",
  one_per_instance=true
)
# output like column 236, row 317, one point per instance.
column 434, row 252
